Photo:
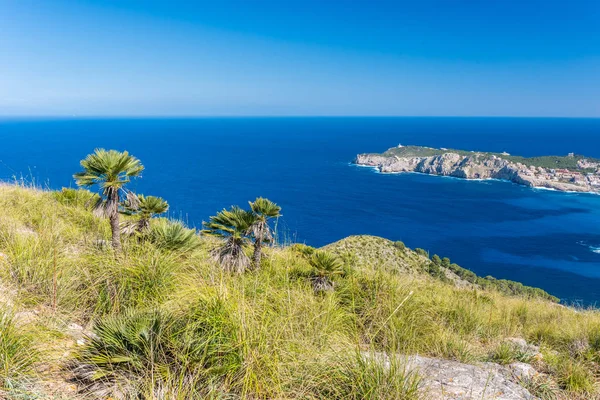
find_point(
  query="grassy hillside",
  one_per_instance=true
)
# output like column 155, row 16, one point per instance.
column 381, row 254
column 162, row 320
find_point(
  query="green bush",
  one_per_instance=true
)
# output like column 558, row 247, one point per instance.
column 303, row 249
column 435, row 270
column 147, row 353
column 400, row 245
column 173, row 235
column 422, row 252
column 326, row 267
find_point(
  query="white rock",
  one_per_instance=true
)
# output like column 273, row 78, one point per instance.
column 446, row 380
column 74, row 327
column 522, row 345
column 522, row 371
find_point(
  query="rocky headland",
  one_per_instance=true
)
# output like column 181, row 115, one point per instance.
column 573, row 173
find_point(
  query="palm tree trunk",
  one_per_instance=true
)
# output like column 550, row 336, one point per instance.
column 257, row 253
column 114, row 223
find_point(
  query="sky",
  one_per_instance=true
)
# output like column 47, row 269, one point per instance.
column 288, row 58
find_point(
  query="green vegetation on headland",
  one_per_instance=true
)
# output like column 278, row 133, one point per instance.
column 569, row 162
column 438, row 265
column 370, row 250
column 168, row 313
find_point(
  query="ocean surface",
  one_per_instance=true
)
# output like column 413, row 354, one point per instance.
column 541, row 238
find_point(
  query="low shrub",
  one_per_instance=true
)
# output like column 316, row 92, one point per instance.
column 400, row 245
column 422, row 252
column 158, row 353
column 173, row 235
column 303, row 249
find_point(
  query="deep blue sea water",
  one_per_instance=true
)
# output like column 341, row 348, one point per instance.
column 541, row 238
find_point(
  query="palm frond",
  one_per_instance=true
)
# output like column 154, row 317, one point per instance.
column 230, row 222
column 133, row 227
column 326, row 267
column 132, row 201
column 232, row 256
column 326, row 264
column 265, row 207
column 108, row 168
column 152, row 205
column 233, row 227
column 99, row 208
column 173, row 235
column 145, row 208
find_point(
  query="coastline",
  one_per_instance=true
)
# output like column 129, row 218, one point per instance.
column 582, row 175
column 376, row 170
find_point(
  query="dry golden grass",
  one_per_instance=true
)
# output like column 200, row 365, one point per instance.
column 171, row 323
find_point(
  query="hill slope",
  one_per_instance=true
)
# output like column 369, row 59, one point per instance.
column 167, row 322
column 383, row 254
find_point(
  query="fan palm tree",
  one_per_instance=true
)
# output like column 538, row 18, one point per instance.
column 111, row 170
column 326, row 267
column 263, row 210
column 232, row 226
column 145, row 207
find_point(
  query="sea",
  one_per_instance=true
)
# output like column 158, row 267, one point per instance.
column 542, row 238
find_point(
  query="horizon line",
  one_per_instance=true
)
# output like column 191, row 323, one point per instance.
column 228, row 116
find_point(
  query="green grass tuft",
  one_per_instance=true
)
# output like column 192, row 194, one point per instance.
column 17, row 356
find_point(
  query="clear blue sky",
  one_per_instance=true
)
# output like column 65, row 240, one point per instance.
column 446, row 57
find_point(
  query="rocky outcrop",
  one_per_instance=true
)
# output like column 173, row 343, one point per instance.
column 446, row 380
column 481, row 166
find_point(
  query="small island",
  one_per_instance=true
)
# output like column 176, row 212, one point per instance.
column 573, row 173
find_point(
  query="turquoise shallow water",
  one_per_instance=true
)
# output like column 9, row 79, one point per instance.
column 542, row 238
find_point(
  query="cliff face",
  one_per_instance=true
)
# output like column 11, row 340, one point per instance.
column 477, row 166
column 448, row 164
